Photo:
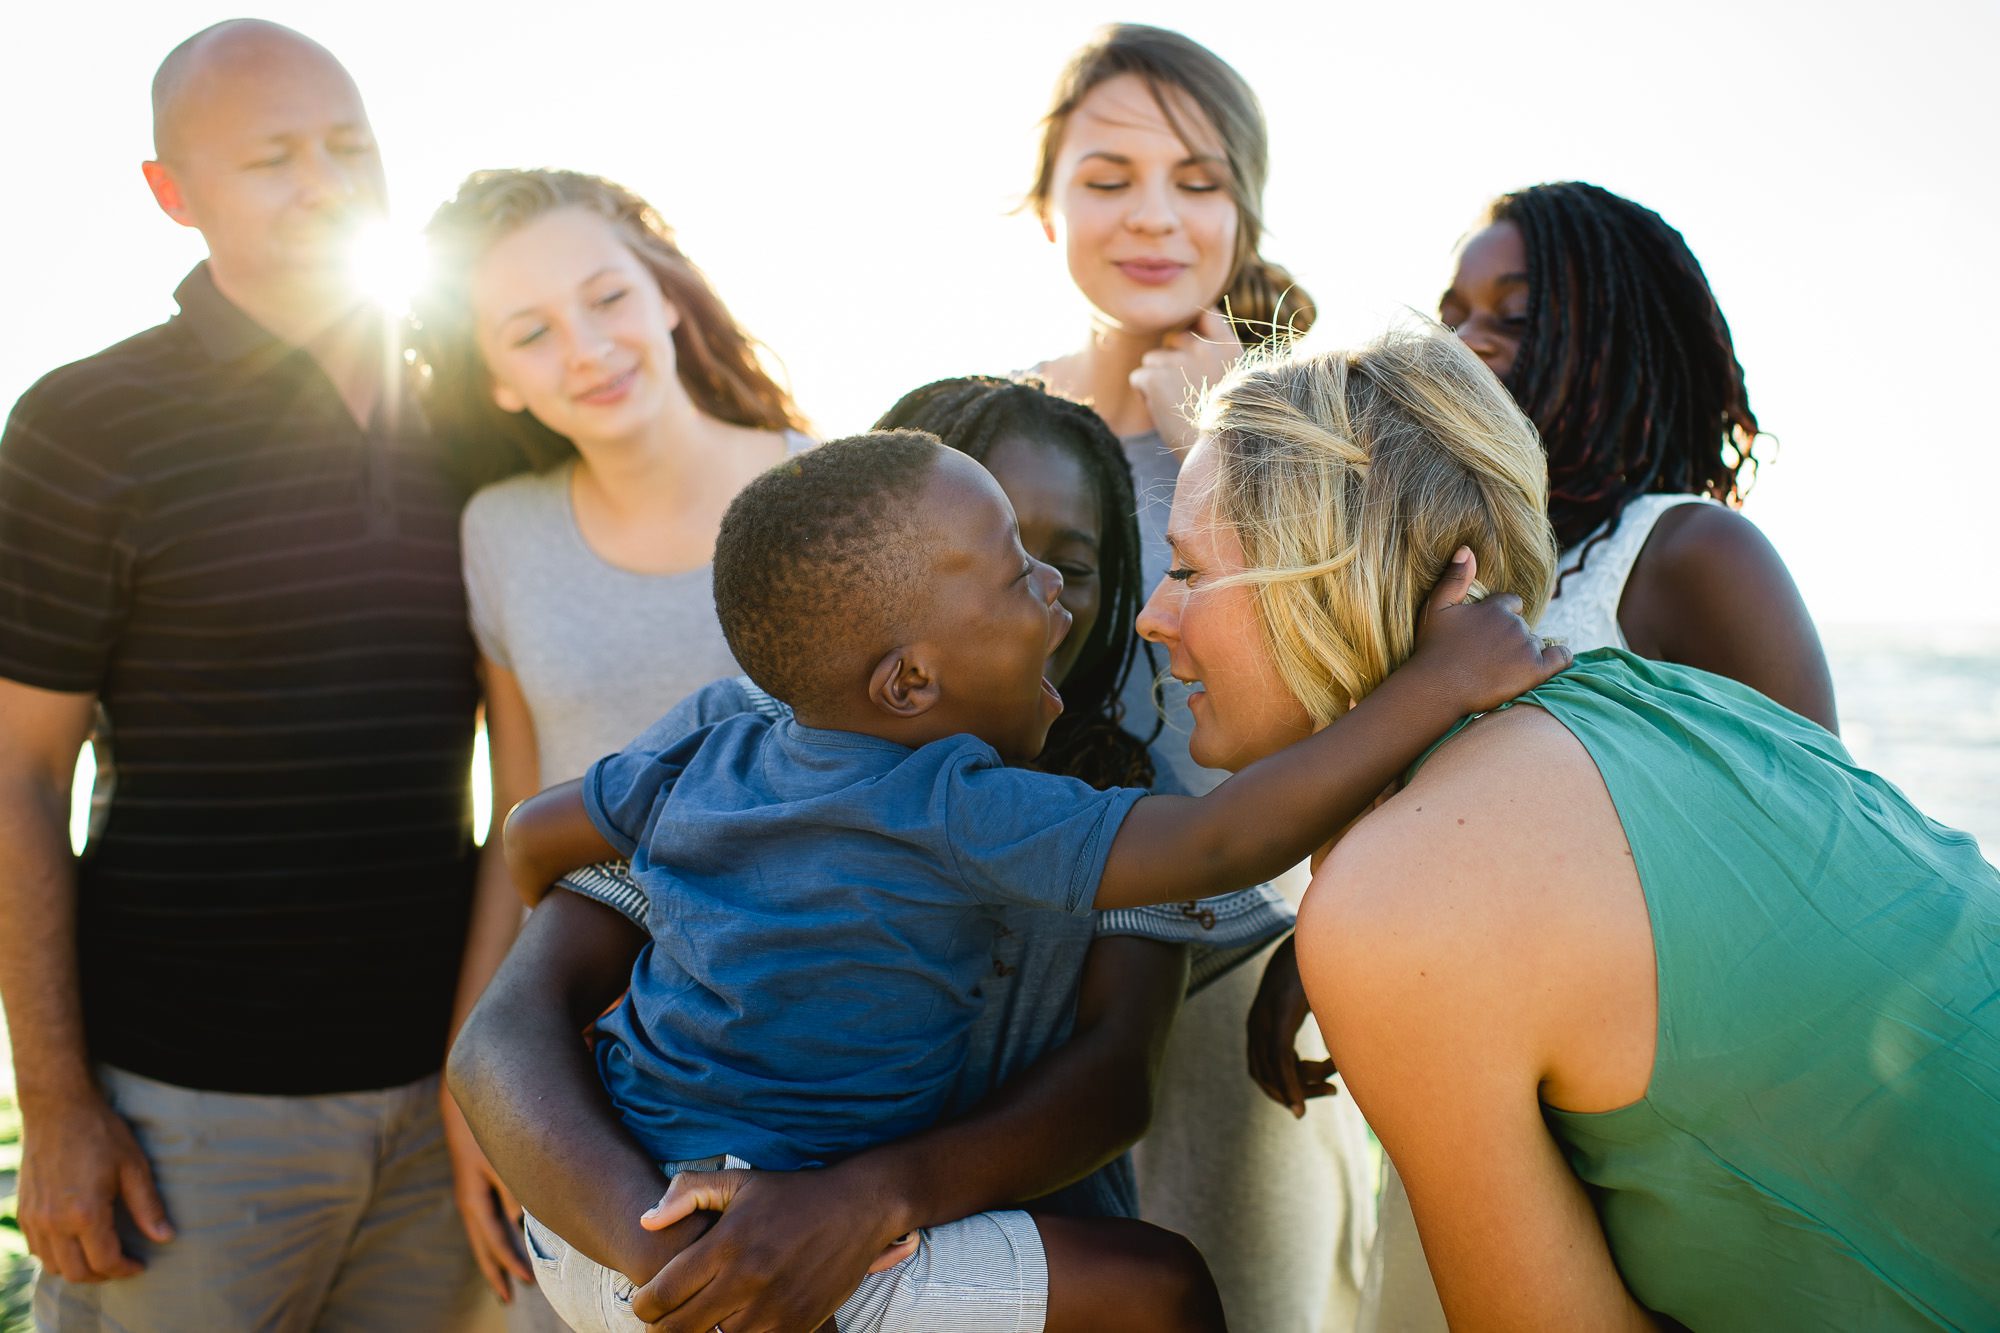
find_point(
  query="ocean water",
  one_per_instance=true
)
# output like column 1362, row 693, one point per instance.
column 1922, row 708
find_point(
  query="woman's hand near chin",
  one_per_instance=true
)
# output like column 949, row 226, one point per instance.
column 1172, row 377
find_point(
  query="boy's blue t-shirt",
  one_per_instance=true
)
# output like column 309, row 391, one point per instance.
column 819, row 906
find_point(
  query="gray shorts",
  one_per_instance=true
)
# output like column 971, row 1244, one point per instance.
column 983, row 1274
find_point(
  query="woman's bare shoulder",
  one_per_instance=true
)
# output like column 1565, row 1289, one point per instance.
column 1507, row 781
column 1497, row 864
column 1492, row 900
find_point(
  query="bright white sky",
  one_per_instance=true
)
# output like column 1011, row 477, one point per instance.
column 844, row 173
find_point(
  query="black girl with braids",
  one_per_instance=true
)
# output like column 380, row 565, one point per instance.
column 1599, row 319
column 1072, row 490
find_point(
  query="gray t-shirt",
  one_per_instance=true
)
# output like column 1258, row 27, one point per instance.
column 601, row 653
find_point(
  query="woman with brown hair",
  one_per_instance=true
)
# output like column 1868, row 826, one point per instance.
column 587, row 378
column 1150, row 178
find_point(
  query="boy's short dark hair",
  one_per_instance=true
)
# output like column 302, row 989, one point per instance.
column 819, row 563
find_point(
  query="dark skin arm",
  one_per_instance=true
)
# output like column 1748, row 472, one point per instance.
column 793, row 1245
column 547, row 836
column 1709, row 591
column 528, row 1086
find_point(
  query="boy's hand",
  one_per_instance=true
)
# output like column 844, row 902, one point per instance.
column 1276, row 1016
column 793, row 1250
column 1482, row 653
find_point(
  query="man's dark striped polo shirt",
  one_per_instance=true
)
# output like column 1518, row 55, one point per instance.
column 266, row 598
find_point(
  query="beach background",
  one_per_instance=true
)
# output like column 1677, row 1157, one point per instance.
column 847, row 178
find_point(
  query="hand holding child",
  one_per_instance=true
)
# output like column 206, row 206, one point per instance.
column 749, row 1263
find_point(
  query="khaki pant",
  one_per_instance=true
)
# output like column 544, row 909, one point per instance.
column 326, row 1213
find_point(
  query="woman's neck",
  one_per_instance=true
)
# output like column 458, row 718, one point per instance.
column 632, row 471
column 652, row 502
column 1100, row 373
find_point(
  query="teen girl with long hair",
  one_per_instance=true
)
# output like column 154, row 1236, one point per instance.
column 587, row 377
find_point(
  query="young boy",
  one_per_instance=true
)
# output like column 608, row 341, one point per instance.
column 816, row 884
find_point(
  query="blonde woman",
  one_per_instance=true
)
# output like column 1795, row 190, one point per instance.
column 1658, row 1003
column 1150, row 181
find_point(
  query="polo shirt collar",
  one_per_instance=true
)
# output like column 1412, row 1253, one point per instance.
column 224, row 331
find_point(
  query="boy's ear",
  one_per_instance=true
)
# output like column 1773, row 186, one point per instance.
column 902, row 685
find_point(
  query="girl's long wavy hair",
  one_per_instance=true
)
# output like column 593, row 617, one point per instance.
column 717, row 362
column 1261, row 298
column 1350, row 477
column 1626, row 366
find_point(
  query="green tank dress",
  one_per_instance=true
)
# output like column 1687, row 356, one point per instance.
column 1819, row 1146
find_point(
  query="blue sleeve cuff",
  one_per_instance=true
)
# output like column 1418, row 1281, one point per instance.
column 600, row 817
column 1118, row 803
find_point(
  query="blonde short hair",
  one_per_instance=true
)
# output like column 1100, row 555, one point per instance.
column 1350, row 478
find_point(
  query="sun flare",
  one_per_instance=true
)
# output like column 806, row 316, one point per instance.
column 387, row 263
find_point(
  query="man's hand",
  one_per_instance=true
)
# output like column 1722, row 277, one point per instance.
column 1276, row 1015
column 78, row 1160
column 1174, row 374
column 492, row 1218
column 787, row 1250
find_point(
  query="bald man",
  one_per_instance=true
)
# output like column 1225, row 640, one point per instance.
column 228, row 541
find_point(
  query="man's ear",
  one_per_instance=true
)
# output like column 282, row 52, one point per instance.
column 167, row 192
column 902, row 685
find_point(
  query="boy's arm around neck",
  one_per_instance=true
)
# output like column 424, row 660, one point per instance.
column 1279, row 810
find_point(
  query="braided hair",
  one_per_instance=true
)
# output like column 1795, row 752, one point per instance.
column 1626, row 366
column 972, row 414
